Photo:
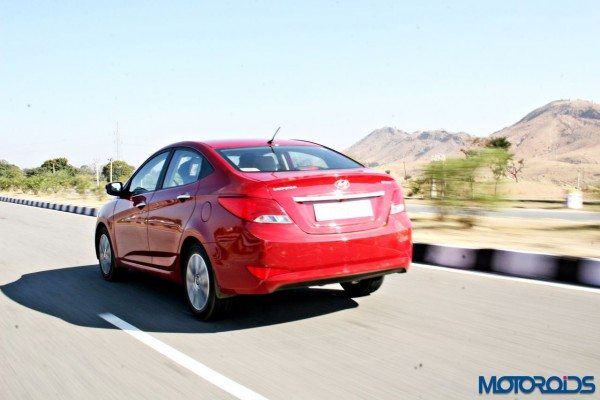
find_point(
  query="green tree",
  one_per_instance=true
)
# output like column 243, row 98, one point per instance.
column 497, row 156
column 32, row 171
column 459, row 183
column 58, row 164
column 8, row 170
column 11, row 176
column 500, row 142
column 121, row 171
column 497, row 159
column 514, row 168
column 86, row 170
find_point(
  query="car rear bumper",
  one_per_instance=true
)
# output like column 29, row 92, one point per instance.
column 262, row 259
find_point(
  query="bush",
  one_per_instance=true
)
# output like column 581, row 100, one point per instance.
column 11, row 176
column 81, row 184
column 51, row 177
column 415, row 186
column 32, row 184
column 460, row 183
column 100, row 192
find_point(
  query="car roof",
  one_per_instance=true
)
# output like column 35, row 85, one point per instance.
column 236, row 143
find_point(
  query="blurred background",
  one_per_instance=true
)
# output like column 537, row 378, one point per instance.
column 478, row 109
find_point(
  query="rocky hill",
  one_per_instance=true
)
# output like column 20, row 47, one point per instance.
column 564, row 130
column 560, row 143
column 387, row 145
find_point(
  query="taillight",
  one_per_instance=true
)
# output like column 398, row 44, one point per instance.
column 266, row 211
column 397, row 202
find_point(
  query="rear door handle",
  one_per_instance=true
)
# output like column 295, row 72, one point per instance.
column 140, row 205
column 184, row 197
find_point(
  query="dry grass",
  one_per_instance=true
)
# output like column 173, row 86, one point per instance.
column 573, row 238
column 516, row 204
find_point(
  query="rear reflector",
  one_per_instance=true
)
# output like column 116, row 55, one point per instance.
column 273, row 219
column 263, row 273
column 255, row 209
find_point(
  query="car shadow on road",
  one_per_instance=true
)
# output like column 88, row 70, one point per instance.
column 78, row 294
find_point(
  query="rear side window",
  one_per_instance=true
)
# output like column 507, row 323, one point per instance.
column 185, row 167
column 286, row 158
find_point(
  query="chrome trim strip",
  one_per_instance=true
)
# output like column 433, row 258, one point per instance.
column 340, row 196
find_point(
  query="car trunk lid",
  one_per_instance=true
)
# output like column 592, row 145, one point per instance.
column 334, row 202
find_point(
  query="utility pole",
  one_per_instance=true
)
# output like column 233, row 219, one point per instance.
column 118, row 143
column 96, row 164
column 110, row 160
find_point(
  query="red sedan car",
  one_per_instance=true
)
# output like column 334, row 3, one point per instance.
column 227, row 218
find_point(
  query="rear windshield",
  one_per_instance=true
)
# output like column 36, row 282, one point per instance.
column 286, row 158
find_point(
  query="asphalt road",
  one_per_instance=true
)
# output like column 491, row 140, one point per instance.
column 566, row 214
column 426, row 334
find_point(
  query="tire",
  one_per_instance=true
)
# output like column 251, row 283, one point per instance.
column 106, row 258
column 200, row 286
column 363, row 287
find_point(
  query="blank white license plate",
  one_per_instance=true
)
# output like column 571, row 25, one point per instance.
column 343, row 210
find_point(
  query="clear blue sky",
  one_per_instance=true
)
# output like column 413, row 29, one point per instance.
column 325, row 71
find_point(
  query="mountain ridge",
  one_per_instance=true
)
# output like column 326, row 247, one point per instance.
column 561, row 130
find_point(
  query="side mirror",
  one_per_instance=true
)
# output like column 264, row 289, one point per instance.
column 114, row 188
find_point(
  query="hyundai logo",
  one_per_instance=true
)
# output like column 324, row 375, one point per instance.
column 342, row 184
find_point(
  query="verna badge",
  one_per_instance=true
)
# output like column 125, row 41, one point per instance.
column 342, row 184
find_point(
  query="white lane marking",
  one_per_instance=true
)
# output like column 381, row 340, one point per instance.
column 509, row 278
column 210, row 375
